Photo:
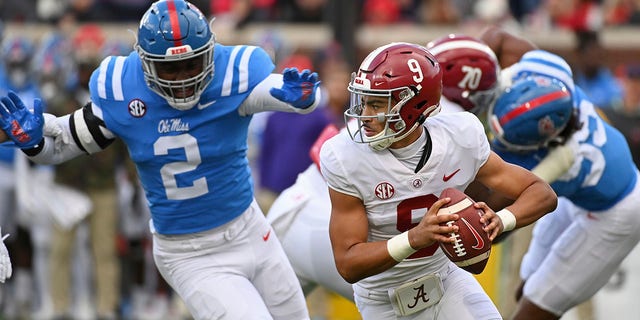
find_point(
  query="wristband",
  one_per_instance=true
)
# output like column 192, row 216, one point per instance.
column 508, row 219
column 33, row 151
column 399, row 247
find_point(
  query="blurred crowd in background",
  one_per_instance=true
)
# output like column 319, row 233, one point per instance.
column 572, row 13
column 88, row 268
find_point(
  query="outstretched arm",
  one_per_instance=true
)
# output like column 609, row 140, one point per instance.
column 291, row 91
column 508, row 47
column 48, row 139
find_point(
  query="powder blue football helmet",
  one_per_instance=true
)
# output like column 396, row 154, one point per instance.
column 17, row 55
column 54, row 67
column 531, row 113
column 173, row 31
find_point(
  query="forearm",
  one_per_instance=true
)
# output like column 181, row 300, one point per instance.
column 50, row 154
column 554, row 165
column 3, row 137
column 532, row 197
column 534, row 202
column 508, row 47
column 59, row 144
column 364, row 260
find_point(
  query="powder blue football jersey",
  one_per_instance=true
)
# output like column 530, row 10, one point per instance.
column 192, row 164
column 604, row 171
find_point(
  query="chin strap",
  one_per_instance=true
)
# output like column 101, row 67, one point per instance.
column 426, row 152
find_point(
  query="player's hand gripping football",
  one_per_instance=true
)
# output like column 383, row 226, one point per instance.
column 493, row 223
column 21, row 125
column 298, row 89
column 432, row 228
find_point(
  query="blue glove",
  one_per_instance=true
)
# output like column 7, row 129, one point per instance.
column 20, row 125
column 298, row 89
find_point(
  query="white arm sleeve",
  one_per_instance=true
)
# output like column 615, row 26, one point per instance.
column 555, row 164
column 69, row 136
column 260, row 100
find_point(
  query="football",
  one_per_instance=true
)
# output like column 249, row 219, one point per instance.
column 472, row 247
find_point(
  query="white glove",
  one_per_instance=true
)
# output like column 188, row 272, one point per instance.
column 53, row 129
column 5, row 262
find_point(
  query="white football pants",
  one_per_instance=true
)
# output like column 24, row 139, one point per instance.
column 574, row 252
column 235, row 271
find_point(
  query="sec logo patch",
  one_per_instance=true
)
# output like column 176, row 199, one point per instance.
column 137, row 108
column 384, row 191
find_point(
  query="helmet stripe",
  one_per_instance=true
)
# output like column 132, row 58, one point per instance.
column 175, row 23
column 532, row 104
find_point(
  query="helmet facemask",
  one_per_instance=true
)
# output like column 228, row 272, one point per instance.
column 396, row 88
column 174, row 90
column 175, row 42
column 395, row 128
column 482, row 99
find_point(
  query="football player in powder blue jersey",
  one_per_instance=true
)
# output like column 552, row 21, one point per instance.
column 545, row 123
column 182, row 104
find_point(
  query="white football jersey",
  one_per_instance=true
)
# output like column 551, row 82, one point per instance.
column 396, row 198
column 448, row 106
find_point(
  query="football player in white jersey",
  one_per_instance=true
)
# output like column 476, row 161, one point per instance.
column 182, row 104
column 588, row 164
column 300, row 215
column 385, row 175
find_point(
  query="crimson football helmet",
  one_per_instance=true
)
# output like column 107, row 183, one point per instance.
column 171, row 31
column 471, row 71
column 409, row 77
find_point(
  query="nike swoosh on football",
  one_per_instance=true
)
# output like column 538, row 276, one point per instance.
column 446, row 178
column 202, row 106
column 479, row 242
